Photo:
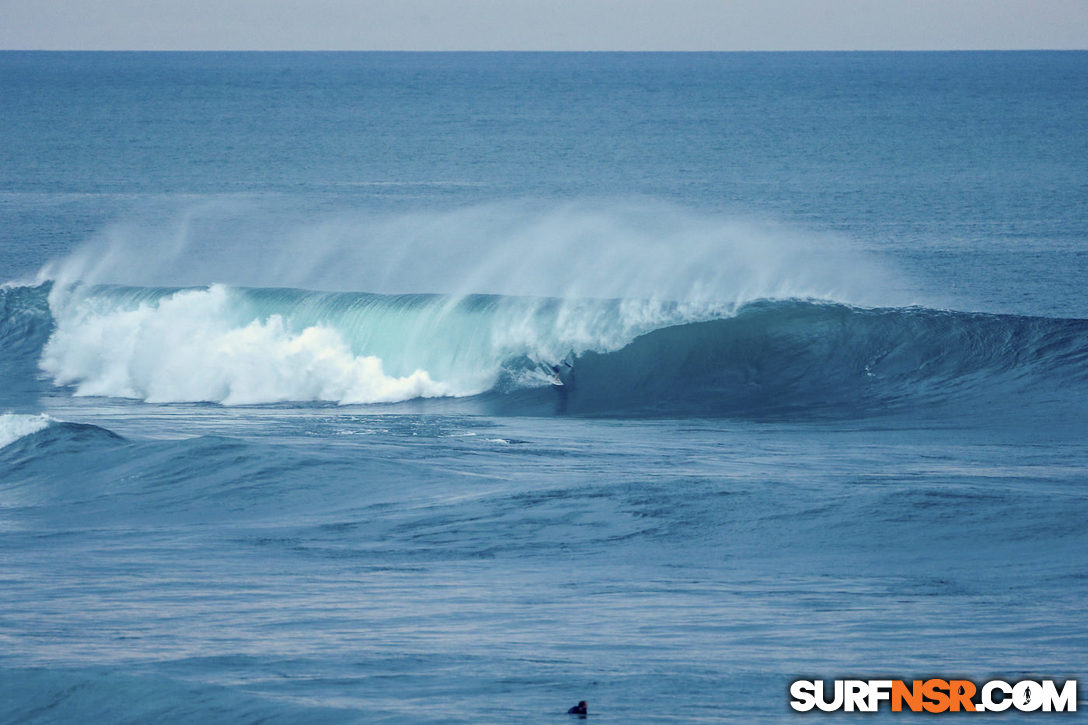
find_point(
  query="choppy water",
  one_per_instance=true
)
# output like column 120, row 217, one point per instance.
column 279, row 440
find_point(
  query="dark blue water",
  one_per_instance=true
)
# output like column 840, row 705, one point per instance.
column 280, row 438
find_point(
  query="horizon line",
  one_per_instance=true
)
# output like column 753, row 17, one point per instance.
column 540, row 50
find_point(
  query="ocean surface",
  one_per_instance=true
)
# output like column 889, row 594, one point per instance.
column 281, row 438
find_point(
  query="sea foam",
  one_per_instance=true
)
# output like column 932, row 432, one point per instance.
column 192, row 346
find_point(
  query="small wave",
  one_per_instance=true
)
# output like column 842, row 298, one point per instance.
column 14, row 426
column 43, row 438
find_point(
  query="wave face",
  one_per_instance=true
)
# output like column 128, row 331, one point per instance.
column 248, row 346
column 805, row 358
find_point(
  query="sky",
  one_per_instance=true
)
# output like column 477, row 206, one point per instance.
column 543, row 24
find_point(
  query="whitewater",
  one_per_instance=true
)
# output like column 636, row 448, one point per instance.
column 281, row 437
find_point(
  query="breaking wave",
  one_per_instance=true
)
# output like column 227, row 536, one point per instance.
column 246, row 346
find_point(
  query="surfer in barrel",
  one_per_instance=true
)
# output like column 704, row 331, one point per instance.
column 560, row 373
column 560, row 370
column 561, row 376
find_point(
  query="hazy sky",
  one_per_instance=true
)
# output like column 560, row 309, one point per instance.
column 542, row 24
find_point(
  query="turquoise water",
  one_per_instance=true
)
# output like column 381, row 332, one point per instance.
column 279, row 439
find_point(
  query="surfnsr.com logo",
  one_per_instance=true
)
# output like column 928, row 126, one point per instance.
column 934, row 695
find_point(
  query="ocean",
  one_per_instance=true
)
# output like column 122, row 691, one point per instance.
column 461, row 387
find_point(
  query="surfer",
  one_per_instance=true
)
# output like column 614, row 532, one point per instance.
column 579, row 709
column 555, row 371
